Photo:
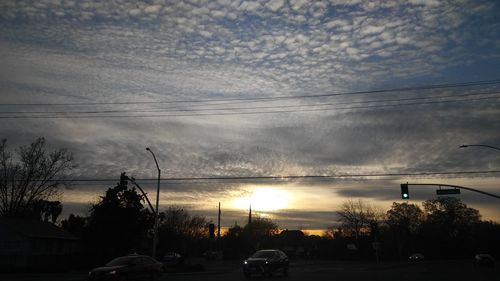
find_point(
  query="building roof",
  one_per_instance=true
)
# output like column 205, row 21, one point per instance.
column 35, row 229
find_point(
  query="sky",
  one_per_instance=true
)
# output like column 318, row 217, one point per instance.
column 372, row 93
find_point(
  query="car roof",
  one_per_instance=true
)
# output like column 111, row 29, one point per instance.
column 137, row 256
column 269, row 250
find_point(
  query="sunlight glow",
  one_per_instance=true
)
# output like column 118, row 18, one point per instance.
column 264, row 199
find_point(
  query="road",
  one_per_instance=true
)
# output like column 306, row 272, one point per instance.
column 315, row 270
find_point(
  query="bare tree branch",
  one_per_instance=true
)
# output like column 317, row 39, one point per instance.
column 36, row 176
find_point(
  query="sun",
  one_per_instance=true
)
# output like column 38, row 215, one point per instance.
column 264, row 199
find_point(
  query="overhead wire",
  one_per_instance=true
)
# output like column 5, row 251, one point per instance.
column 389, row 90
column 246, row 112
column 177, row 109
column 288, row 177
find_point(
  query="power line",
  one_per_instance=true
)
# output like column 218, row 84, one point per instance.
column 289, row 177
column 245, row 113
column 177, row 109
column 403, row 89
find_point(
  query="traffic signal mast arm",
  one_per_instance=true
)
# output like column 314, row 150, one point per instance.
column 457, row 186
column 143, row 193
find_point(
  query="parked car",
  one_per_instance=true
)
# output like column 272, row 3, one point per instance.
column 484, row 260
column 131, row 267
column 416, row 257
column 266, row 262
column 172, row 259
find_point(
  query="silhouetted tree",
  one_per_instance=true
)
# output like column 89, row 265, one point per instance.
column 242, row 241
column 180, row 221
column 119, row 223
column 448, row 228
column 181, row 231
column 331, row 232
column 35, row 176
column 486, row 240
column 44, row 209
column 451, row 214
column 233, row 242
column 404, row 221
column 356, row 218
column 261, row 227
column 74, row 224
column 234, row 231
column 259, row 233
column 405, row 217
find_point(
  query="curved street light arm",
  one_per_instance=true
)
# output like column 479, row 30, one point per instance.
column 154, row 157
column 481, row 145
column 143, row 193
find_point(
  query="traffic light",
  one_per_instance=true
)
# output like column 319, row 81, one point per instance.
column 123, row 180
column 404, row 191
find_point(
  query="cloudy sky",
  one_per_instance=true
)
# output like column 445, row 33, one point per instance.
column 259, row 88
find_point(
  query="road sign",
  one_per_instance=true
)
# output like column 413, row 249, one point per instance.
column 447, row 191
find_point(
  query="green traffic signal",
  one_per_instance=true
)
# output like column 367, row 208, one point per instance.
column 404, row 191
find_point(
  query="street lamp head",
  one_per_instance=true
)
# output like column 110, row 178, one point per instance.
column 481, row 145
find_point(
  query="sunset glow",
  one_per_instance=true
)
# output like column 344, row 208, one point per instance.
column 292, row 107
column 264, row 199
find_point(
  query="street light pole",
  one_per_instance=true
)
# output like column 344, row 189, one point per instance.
column 155, row 235
column 482, row 145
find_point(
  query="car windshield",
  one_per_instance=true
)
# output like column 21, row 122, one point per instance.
column 263, row 254
column 121, row 261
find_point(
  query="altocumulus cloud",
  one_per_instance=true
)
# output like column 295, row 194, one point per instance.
column 151, row 51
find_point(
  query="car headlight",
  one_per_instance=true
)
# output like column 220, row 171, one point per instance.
column 245, row 262
column 267, row 262
column 113, row 272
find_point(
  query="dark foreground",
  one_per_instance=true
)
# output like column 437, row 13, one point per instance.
column 314, row 270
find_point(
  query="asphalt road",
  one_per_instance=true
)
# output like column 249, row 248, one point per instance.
column 315, row 270
column 347, row 271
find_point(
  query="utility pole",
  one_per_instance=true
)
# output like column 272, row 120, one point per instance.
column 218, row 225
column 219, row 247
column 250, row 214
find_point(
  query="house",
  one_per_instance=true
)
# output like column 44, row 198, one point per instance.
column 27, row 244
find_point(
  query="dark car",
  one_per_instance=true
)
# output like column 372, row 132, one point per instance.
column 172, row 260
column 266, row 262
column 131, row 267
column 484, row 260
column 416, row 257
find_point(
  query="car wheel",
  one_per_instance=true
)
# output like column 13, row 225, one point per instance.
column 285, row 272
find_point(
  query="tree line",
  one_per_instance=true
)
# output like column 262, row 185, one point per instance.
column 444, row 227
column 119, row 223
